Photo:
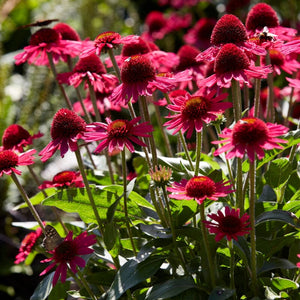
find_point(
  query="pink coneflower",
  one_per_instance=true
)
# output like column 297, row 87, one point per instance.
column 27, row 245
column 104, row 105
column 90, row 69
column 232, row 63
column 156, row 26
column 64, row 179
column 139, row 78
column 298, row 264
column 250, row 136
column 66, row 32
column 104, row 41
column 199, row 188
column 228, row 224
column 229, row 30
column 66, row 129
column 187, row 61
column 67, row 255
column 9, row 160
column 199, row 35
column 192, row 111
column 280, row 61
column 117, row 134
column 47, row 40
column 15, row 137
column 262, row 15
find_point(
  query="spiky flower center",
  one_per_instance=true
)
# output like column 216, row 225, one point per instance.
column 187, row 57
column 91, row 63
column 44, row 35
column 64, row 177
column 65, row 252
column 230, row 224
column 155, row 21
column 261, row 15
column 204, row 28
column 138, row 46
column 118, row 129
column 137, row 69
column 66, row 124
column 195, row 108
column 200, row 186
column 229, row 29
column 250, row 131
column 13, row 135
column 8, row 159
column 230, row 58
column 66, row 32
column 277, row 58
column 107, row 37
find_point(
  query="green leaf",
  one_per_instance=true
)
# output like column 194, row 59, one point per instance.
column 278, row 215
column 44, row 288
column 276, row 263
column 284, row 283
column 111, row 235
column 183, row 210
column 221, row 294
column 278, row 172
column 267, row 195
column 38, row 198
column 170, row 288
column 76, row 200
column 131, row 274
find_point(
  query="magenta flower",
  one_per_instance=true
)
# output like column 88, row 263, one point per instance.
column 229, row 29
column 47, row 40
column 27, row 245
column 66, row 32
column 263, row 15
column 139, row 78
column 192, row 110
column 250, row 136
column 15, row 137
column 117, row 134
column 90, row 69
column 232, row 63
column 104, row 41
column 199, row 188
column 298, row 264
column 64, row 179
column 229, row 224
column 9, row 160
column 67, row 255
column 66, row 129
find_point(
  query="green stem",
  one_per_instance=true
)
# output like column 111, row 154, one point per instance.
column 236, row 100
column 186, row 151
column 257, row 97
column 163, row 131
column 207, row 248
column 270, row 99
column 252, row 224
column 88, row 189
column 232, row 265
column 178, row 252
column 125, row 202
column 240, row 201
column 115, row 65
column 27, row 200
column 198, row 151
column 81, row 281
column 53, row 69
column 145, row 112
